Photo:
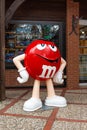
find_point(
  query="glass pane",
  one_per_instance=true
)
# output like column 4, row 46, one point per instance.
column 26, row 33
column 83, row 68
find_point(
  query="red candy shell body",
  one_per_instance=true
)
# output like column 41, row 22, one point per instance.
column 41, row 63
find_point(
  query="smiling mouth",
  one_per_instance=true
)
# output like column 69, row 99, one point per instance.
column 56, row 60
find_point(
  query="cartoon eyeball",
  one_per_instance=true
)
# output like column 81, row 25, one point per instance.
column 53, row 48
column 42, row 59
column 41, row 46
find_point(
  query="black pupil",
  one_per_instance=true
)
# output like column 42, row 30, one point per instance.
column 52, row 46
column 42, row 45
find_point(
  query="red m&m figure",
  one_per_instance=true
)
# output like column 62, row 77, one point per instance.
column 42, row 61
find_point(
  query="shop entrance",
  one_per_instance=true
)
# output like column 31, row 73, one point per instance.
column 83, row 52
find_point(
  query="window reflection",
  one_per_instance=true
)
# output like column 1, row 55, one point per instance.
column 26, row 33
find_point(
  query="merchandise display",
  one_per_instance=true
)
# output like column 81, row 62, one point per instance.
column 19, row 36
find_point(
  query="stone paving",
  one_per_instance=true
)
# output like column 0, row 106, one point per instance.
column 72, row 117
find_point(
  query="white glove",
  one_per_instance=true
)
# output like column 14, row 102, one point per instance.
column 58, row 77
column 23, row 76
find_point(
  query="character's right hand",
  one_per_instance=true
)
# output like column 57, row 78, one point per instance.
column 24, row 75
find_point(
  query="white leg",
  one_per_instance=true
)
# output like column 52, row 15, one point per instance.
column 34, row 102
column 52, row 99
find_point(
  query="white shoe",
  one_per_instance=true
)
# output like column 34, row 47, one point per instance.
column 57, row 101
column 32, row 104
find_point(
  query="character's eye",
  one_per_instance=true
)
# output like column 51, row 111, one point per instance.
column 53, row 48
column 41, row 46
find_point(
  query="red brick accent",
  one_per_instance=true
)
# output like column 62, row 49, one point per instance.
column 72, row 45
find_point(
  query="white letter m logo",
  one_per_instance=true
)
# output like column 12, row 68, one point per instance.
column 48, row 71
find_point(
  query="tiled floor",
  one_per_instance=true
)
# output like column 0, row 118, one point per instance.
column 72, row 117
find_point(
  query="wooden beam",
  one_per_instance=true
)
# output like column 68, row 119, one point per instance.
column 76, row 0
column 10, row 12
column 2, row 49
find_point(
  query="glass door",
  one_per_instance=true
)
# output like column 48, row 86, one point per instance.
column 83, row 54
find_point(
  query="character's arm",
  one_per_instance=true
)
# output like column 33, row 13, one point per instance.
column 62, row 65
column 58, row 77
column 21, row 69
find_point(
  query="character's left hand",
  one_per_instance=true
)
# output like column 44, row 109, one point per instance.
column 58, row 77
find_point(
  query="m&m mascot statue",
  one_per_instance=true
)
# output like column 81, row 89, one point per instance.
column 43, row 62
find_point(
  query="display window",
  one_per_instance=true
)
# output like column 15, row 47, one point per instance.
column 20, row 34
